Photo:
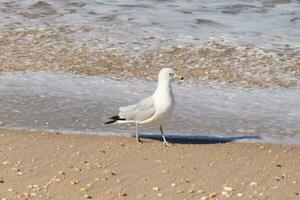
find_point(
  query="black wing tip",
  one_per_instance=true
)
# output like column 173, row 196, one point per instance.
column 110, row 122
column 114, row 119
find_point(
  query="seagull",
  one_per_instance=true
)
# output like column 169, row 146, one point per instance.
column 153, row 110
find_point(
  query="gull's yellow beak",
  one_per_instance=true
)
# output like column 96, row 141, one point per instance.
column 179, row 77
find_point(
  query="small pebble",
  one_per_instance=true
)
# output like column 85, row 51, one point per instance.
column 77, row 169
column 5, row 163
column 25, row 195
column 212, row 195
column 226, row 193
column 204, row 198
column 261, row 194
column 191, row 191
column 83, row 189
column 144, row 179
column 10, row 190
column 88, row 196
column 75, row 182
column 33, row 194
column 106, row 171
column 122, row 194
column 155, row 188
column 15, row 169
column 61, row 173
column 89, row 185
column 239, row 194
column 226, row 188
column 56, row 179
column 253, row 184
column 159, row 194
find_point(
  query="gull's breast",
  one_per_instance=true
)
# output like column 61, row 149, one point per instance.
column 164, row 109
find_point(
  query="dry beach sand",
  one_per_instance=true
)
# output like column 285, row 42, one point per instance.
column 37, row 165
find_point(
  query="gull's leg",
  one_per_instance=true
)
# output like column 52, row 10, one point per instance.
column 137, row 133
column 163, row 136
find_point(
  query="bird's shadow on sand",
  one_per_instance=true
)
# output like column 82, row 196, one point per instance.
column 200, row 139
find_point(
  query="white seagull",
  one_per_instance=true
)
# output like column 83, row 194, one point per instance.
column 153, row 110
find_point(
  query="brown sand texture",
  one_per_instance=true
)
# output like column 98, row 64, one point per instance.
column 38, row 165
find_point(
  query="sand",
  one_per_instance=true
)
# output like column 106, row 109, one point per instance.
column 38, row 165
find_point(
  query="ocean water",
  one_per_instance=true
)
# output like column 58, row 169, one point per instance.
column 241, row 42
column 265, row 23
column 61, row 102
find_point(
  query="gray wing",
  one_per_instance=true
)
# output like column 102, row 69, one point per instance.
column 140, row 111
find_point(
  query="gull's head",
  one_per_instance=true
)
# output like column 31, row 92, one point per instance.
column 168, row 74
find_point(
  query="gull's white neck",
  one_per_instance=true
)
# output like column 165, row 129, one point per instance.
column 164, row 88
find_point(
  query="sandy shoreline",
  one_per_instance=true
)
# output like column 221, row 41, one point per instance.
column 35, row 165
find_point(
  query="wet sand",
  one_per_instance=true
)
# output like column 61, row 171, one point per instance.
column 37, row 165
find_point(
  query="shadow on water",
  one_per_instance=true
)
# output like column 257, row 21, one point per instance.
column 200, row 139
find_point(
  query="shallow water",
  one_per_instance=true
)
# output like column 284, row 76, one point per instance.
column 241, row 43
column 266, row 23
column 66, row 102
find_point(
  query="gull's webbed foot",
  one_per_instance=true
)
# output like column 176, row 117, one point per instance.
column 139, row 140
column 167, row 144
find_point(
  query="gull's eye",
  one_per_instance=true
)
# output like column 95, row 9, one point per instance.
column 171, row 74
